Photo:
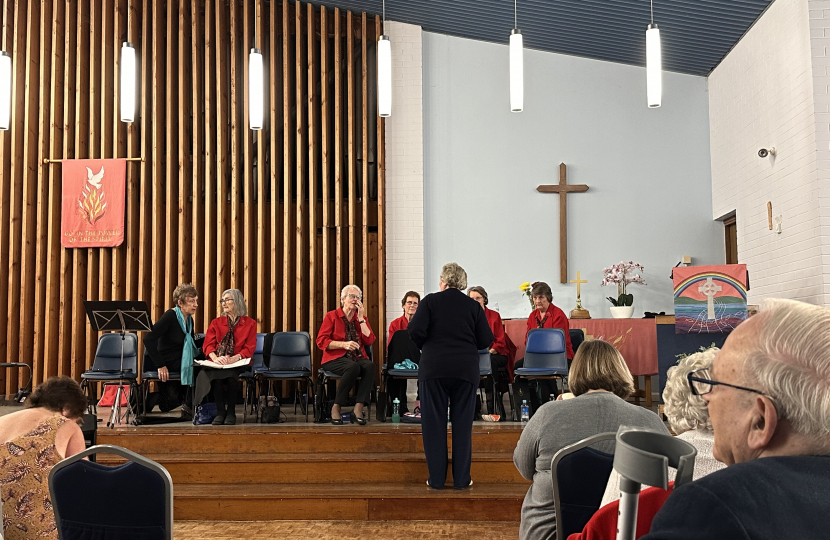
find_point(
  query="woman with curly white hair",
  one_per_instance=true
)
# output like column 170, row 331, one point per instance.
column 688, row 418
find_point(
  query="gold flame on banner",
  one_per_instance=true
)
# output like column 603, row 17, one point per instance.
column 92, row 205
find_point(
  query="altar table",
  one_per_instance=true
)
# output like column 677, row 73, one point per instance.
column 636, row 339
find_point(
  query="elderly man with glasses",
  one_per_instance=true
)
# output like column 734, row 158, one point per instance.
column 768, row 395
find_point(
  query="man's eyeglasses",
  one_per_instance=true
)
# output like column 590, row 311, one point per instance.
column 701, row 385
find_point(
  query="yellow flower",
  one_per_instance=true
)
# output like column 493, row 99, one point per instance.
column 524, row 286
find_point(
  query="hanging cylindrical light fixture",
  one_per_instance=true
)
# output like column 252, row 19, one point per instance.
column 517, row 86
column 384, row 52
column 5, row 90
column 127, row 87
column 256, row 89
column 517, row 71
column 654, row 64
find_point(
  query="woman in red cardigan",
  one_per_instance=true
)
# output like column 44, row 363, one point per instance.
column 343, row 338
column 499, row 353
column 231, row 337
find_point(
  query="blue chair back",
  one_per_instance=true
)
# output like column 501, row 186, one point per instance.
column 546, row 349
column 484, row 360
column 290, row 351
column 132, row 500
column 108, row 353
column 257, row 357
column 580, row 476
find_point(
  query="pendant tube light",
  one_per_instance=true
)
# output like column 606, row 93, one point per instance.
column 517, row 85
column 255, row 90
column 5, row 90
column 384, row 52
column 654, row 64
column 127, row 86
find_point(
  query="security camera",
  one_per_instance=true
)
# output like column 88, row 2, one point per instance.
column 763, row 152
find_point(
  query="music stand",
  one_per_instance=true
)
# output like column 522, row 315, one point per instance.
column 121, row 316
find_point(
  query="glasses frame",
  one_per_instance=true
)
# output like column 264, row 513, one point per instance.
column 226, row 300
column 692, row 377
column 354, row 296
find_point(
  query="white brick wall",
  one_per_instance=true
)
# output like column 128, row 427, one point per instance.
column 762, row 95
column 404, row 169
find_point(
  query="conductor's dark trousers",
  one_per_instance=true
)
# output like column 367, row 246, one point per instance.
column 436, row 395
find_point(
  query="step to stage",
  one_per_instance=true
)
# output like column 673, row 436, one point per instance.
column 323, row 472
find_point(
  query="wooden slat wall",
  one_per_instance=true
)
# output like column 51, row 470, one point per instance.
column 289, row 214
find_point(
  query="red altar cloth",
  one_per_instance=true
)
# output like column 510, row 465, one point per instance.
column 636, row 339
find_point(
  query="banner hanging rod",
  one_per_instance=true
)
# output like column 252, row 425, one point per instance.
column 47, row 161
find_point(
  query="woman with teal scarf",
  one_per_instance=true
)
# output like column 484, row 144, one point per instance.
column 171, row 349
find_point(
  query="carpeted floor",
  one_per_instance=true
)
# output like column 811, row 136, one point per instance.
column 345, row 530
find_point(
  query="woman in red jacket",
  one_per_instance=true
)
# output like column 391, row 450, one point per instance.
column 231, row 337
column 499, row 353
column 343, row 338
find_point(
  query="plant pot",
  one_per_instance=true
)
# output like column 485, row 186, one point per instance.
column 622, row 312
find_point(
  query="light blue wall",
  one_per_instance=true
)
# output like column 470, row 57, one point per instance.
column 648, row 170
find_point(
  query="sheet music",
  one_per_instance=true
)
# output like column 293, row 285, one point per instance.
column 211, row 364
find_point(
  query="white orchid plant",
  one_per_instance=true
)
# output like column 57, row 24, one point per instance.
column 623, row 274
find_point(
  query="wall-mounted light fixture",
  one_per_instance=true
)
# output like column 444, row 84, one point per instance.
column 256, row 98
column 5, row 90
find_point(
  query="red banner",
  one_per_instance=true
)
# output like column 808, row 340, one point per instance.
column 92, row 208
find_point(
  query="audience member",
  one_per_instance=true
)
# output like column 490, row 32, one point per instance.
column 546, row 315
column 171, row 347
column 231, row 337
column 499, row 353
column 343, row 337
column 450, row 329
column 688, row 417
column 600, row 381
column 768, row 394
column 33, row 441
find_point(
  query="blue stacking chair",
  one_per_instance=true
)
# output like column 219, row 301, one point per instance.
column 546, row 357
column 290, row 360
column 250, row 377
column 326, row 376
column 485, row 370
column 108, row 368
column 133, row 500
column 579, row 475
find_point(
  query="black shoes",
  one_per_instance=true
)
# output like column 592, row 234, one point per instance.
column 230, row 419
column 219, row 420
column 359, row 419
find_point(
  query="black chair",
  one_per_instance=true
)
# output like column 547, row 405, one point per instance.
column 130, row 501
column 579, row 475
column 485, row 371
column 290, row 360
column 249, row 378
column 108, row 368
column 324, row 377
column 149, row 374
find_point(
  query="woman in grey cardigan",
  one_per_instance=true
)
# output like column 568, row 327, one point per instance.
column 600, row 380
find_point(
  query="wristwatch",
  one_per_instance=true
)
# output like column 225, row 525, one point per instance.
column 361, row 322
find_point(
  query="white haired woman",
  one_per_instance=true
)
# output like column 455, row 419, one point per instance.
column 688, row 417
column 343, row 338
column 450, row 328
column 231, row 337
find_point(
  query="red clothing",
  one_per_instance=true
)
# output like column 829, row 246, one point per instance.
column 398, row 324
column 494, row 320
column 603, row 524
column 334, row 329
column 244, row 336
column 554, row 318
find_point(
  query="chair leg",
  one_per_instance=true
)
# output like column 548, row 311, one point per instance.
column 512, row 399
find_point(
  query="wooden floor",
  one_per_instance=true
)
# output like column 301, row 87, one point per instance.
column 345, row 530
column 305, row 471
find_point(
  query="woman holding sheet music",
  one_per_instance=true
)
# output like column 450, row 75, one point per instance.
column 230, row 339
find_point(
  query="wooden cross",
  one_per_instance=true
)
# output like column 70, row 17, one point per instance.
column 562, row 188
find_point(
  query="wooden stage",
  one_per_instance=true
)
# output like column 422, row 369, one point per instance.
column 300, row 471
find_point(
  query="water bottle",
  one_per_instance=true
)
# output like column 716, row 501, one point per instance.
column 525, row 411
column 396, row 411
